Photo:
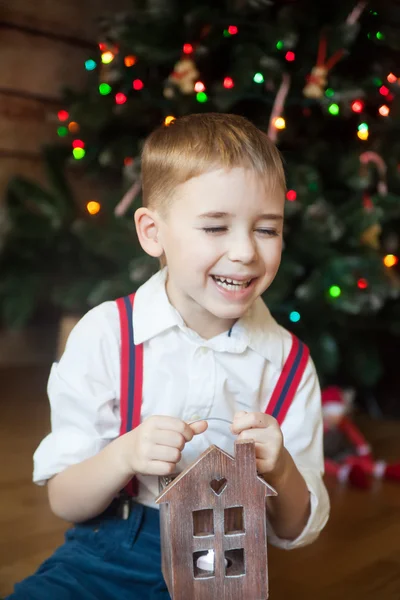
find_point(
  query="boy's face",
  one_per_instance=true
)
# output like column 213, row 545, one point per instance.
column 222, row 238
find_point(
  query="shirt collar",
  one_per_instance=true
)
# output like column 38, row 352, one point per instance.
column 257, row 329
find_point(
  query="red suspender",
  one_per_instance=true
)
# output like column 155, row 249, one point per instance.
column 289, row 379
column 131, row 375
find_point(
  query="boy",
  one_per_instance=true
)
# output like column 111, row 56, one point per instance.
column 213, row 194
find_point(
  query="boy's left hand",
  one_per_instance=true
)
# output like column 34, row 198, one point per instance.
column 268, row 438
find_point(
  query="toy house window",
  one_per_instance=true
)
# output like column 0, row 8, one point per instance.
column 203, row 522
column 235, row 563
column 233, row 520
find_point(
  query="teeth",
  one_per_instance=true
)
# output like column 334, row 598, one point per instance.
column 231, row 284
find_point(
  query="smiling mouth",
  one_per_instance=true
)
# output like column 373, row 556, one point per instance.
column 232, row 284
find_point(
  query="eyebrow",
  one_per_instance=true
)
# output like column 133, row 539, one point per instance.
column 223, row 215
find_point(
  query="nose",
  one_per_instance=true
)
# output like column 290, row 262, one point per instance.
column 242, row 249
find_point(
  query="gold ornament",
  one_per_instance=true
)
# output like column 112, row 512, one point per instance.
column 316, row 83
column 183, row 77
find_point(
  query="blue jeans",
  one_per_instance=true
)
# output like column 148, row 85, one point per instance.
column 105, row 558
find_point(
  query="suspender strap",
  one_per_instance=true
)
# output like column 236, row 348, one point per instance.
column 131, row 375
column 289, row 380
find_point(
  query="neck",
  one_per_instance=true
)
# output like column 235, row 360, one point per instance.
column 196, row 317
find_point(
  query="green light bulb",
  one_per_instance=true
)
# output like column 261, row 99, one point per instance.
column 335, row 291
column 334, row 109
column 258, row 78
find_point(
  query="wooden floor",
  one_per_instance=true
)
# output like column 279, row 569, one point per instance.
column 357, row 557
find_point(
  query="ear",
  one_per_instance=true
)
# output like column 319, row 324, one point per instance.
column 146, row 222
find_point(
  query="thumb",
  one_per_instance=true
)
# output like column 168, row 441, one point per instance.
column 198, row 427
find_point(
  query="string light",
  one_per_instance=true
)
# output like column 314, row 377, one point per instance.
column 362, row 284
column 383, row 90
column 335, row 291
column 78, row 153
column 93, row 207
column 357, row 106
column 334, row 109
column 329, row 92
column 120, row 98
column 63, row 115
column 390, row 260
column 291, row 195
column 78, row 144
column 138, row 84
column 107, row 57
column 384, row 110
column 279, row 123
column 73, row 127
column 232, row 29
column 90, row 64
column 199, row 86
column 129, row 61
column 187, row 48
column 294, row 316
column 104, row 89
column 378, row 82
column 228, row 83
column 279, row 45
column 168, row 120
column 102, row 46
column 258, row 78
column 290, row 56
column 362, row 132
column 391, row 78
column 128, row 160
column 62, row 131
column 380, row 35
column 201, row 97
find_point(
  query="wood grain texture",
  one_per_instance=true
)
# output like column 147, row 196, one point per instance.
column 357, row 557
column 75, row 18
column 218, row 489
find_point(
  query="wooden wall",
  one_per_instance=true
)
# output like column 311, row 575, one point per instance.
column 44, row 44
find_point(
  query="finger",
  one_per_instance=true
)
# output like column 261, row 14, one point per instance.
column 252, row 421
column 173, row 424
column 165, row 454
column 198, row 427
column 165, row 437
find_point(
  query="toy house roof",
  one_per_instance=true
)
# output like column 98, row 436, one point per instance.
column 270, row 491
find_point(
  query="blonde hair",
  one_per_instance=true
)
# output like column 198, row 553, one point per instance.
column 196, row 144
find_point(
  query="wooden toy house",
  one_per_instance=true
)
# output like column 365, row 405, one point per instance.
column 213, row 528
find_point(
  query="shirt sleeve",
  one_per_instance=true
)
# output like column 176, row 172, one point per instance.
column 302, row 431
column 83, row 391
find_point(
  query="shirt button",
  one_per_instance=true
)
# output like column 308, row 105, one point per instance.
column 195, row 417
column 203, row 350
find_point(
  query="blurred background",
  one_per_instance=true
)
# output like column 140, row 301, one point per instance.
column 81, row 86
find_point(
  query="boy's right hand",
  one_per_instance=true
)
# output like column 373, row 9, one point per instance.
column 155, row 446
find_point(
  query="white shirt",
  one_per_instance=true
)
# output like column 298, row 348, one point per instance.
column 184, row 376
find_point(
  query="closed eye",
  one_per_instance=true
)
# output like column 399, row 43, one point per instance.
column 269, row 232
column 214, row 229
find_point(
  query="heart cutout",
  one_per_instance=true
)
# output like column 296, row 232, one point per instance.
column 218, row 485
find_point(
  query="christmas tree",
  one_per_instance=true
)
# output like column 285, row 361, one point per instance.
column 319, row 78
